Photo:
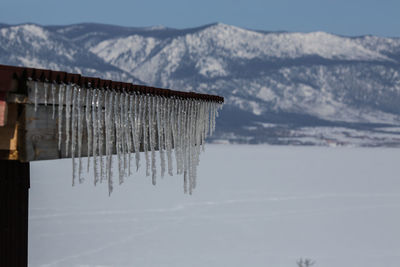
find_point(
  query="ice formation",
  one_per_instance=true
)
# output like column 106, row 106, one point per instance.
column 127, row 122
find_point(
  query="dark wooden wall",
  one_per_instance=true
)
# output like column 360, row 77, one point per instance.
column 14, row 196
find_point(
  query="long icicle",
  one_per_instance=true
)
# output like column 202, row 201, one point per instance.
column 68, row 99
column 168, row 135
column 127, row 133
column 36, row 95
column 130, row 128
column 160, row 132
column 117, row 123
column 175, row 128
column 89, row 131
column 151, row 138
column 53, row 97
column 100, row 125
column 137, row 108
column 81, row 98
column 109, row 137
column 74, row 131
column 60, row 114
column 181, row 136
column 197, row 137
column 95, row 135
column 123, row 137
column 184, row 158
column 145, row 128
column 46, row 89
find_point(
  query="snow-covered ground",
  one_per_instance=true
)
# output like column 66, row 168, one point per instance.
column 253, row 206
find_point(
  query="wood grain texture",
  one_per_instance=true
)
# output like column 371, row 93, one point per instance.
column 9, row 134
column 40, row 140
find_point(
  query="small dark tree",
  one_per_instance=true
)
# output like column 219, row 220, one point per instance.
column 305, row 263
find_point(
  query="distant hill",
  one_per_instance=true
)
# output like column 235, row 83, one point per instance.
column 280, row 88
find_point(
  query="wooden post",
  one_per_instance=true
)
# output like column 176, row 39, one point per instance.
column 14, row 196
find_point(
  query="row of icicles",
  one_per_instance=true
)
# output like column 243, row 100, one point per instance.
column 125, row 123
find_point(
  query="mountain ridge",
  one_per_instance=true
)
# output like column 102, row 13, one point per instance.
column 334, row 85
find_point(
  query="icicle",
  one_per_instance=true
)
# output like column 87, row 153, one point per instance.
column 206, row 119
column 145, row 128
column 100, row 125
column 168, row 135
column 160, row 132
column 205, row 124
column 189, row 155
column 53, row 97
column 196, row 143
column 127, row 136
column 80, row 132
column 109, row 124
column 214, row 115
column 46, row 86
column 200, row 137
column 190, row 144
column 123, row 137
column 176, row 107
column 125, row 127
column 117, row 122
column 36, row 95
column 152, row 138
column 107, row 127
column 193, row 146
column 60, row 113
column 127, row 133
column 130, row 127
column 95, row 135
column 137, row 109
column 88, row 117
column 74, row 131
column 184, row 138
column 210, row 119
column 200, row 126
column 196, row 149
column 181, row 134
column 68, row 96
column 185, row 154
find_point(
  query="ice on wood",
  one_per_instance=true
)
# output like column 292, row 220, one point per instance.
column 53, row 97
column 127, row 122
column 68, row 96
column 60, row 113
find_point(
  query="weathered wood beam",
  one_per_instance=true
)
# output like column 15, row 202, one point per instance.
column 9, row 134
column 29, row 135
column 39, row 140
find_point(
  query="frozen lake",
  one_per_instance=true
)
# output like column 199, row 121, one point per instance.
column 253, row 206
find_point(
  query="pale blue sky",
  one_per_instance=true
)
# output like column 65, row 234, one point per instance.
column 345, row 17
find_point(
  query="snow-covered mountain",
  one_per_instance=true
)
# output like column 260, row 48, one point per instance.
column 279, row 87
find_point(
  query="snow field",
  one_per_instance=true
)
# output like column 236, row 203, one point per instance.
column 254, row 206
